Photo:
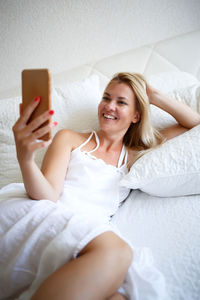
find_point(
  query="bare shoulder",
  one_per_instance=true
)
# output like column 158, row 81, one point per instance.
column 70, row 138
column 59, row 151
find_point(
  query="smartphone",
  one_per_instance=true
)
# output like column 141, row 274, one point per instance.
column 36, row 82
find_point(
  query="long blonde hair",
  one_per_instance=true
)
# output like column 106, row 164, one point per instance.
column 140, row 136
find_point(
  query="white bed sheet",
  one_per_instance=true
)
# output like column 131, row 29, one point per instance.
column 170, row 227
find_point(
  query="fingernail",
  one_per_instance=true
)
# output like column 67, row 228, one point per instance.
column 55, row 123
column 51, row 112
column 37, row 99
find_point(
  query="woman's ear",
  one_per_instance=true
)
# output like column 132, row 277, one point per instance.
column 136, row 117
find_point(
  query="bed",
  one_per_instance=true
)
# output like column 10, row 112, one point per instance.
column 163, row 210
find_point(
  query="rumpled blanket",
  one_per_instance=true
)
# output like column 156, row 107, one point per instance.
column 38, row 237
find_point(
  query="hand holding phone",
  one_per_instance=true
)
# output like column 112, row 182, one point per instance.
column 32, row 129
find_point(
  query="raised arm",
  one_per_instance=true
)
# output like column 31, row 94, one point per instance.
column 45, row 184
column 185, row 116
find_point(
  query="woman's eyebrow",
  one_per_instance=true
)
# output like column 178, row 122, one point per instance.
column 117, row 97
column 122, row 98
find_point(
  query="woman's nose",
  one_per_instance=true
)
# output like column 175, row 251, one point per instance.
column 110, row 105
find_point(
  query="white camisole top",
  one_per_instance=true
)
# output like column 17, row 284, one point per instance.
column 91, row 185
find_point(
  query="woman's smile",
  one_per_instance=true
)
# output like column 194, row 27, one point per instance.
column 109, row 117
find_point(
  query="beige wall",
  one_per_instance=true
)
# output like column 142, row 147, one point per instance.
column 63, row 34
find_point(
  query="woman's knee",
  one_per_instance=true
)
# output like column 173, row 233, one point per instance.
column 124, row 253
column 127, row 253
column 112, row 247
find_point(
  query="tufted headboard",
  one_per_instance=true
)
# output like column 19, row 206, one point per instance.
column 180, row 53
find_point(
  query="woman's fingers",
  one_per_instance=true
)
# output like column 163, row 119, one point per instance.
column 22, row 130
column 150, row 90
column 37, row 122
column 41, row 132
column 27, row 135
column 26, row 113
column 28, row 144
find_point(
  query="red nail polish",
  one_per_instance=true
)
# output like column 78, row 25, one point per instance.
column 37, row 99
column 51, row 112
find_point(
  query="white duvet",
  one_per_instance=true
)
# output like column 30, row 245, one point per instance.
column 52, row 237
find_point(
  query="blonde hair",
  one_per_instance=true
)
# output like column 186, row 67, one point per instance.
column 140, row 136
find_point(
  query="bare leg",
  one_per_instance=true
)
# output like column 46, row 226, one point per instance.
column 97, row 273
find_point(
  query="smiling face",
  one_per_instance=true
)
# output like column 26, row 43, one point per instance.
column 117, row 109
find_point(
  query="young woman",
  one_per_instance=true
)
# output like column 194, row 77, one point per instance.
column 81, row 174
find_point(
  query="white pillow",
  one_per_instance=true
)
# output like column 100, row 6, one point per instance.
column 179, row 85
column 171, row 170
column 169, row 81
column 189, row 95
column 9, row 168
column 75, row 106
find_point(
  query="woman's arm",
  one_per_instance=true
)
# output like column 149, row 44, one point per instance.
column 185, row 116
column 47, row 184
column 56, row 160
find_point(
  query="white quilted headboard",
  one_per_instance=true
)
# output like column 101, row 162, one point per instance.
column 180, row 53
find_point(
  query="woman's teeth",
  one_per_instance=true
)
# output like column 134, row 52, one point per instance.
column 109, row 117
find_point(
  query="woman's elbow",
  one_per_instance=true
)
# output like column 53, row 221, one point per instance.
column 51, row 197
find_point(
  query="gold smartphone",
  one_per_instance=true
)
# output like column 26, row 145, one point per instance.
column 36, row 82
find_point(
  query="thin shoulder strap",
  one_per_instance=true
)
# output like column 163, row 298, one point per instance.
column 88, row 139
column 123, row 156
column 97, row 141
column 126, row 156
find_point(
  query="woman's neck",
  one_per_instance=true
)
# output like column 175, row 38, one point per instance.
column 110, row 142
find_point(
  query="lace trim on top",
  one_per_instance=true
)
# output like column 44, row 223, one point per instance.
column 123, row 154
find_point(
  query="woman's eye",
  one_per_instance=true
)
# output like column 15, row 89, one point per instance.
column 106, row 98
column 122, row 102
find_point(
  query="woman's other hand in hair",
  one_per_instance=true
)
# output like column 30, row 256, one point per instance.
column 152, row 93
